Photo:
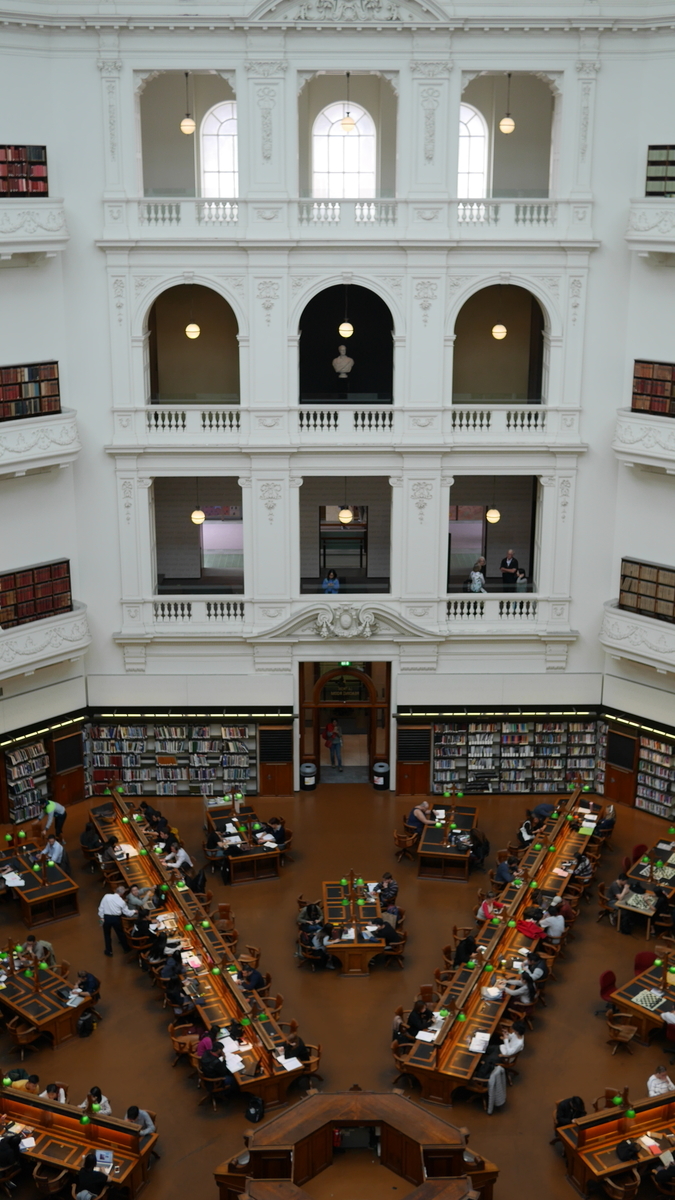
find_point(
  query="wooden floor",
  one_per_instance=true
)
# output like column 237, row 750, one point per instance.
column 338, row 827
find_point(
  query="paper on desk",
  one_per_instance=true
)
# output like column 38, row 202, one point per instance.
column 666, row 1158
column 229, row 1045
column 126, row 849
column 73, row 1000
column 348, row 935
column 193, row 961
column 586, row 830
column 291, row 1064
column 235, row 840
column 371, row 928
column 559, row 871
column 479, row 1042
column 14, row 880
column 234, row 1062
column 425, row 1036
column 230, row 828
column 371, row 887
column 27, row 1143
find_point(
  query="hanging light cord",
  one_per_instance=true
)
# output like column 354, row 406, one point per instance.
column 508, row 94
column 187, row 97
column 348, row 112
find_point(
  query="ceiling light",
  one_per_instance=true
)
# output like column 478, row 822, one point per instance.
column 498, row 332
column 493, row 515
column 507, row 123
column 345, row 515
column 193, row 331
column 345, row 329
column 187, row 125
column 198, row 517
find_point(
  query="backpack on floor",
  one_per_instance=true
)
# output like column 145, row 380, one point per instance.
column 85, row 1025
column 255, row 1109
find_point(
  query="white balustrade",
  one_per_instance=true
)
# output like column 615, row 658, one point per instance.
column 194, row 613
column 493, row 609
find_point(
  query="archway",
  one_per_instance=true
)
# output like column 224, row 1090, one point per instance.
column 371, row 347
column 507, row 367
column 356, row 696
column 200, row 369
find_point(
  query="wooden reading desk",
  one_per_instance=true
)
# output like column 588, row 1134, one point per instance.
column 590, row 1142
column 61, row 1140
column 441, row 850
column 252, row 861
column 47, row 894
column 447, row 1062
column 212, row 982
column 354, row 953
column 40, row 999
column 645, row 1009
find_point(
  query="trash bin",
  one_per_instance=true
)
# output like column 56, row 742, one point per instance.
column 381, row 776
column 307, row 777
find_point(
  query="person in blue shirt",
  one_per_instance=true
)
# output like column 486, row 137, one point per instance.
column 252, row 979
column 418, row 817
column 505, row 872
column 331, row 584
column 543, row 811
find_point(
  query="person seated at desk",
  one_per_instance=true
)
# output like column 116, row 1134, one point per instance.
column 251, row 979
column 490, row 907
column 616, row 892
column 387, row 889
column 141, row 927
column 53, row 851
column 90, row 838
column 418, row 817
column 526, row 832
column 525, row 988
column 208, row 1040
column 177, row 998
column 214, row 1066
column 294, row 1047
column 659, row 1083
column 464, row 951
column 139, row 898
column 506, row 870
column 606, row 824
column 569, row 1110
column 583, row 868
column 148, row 811
column 10, row 1155
column 54, row 1092
column 542, row 812
column 480, row 848
column 320, row 941
column 420, row 1017
column 275, row 827
column 331, row 584
column 87, row 983
column 179, row 858
column 173, row 966
column 32, row 1084
column 385, row 932
column 159, row 825
column 43, row 951
column 662, row 905
column 110, row 851
column 89, row 1181
column 95, row 1096
column 156, row 952
column 310, row 918
column 559, row 904
column 391, row 915
column 514, row 1041
column 553, row 924
column 138, row 1116
column 215, row 844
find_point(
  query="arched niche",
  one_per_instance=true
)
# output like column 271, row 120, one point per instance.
column 171, row 160
column 489, row 369
column 520, row 164
column 372, row 92
column 204, row 369
column 370, row 380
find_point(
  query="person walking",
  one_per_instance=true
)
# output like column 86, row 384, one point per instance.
column 57, row 814
column 335, row 747
column 110, row 912
column 509, row 569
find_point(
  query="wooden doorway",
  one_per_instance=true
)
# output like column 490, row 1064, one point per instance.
column 620, row 774
column 356, row 696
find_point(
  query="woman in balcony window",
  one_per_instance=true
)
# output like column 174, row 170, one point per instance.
column 331, row 584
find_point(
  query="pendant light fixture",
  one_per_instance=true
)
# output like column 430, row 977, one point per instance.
column 493, row 514
column 507, row 123
column 192, row 329
column 346, row 329
column 188, row 124
column 345, row 515
column 348, row 123
column 499, row 331
column 198, row 516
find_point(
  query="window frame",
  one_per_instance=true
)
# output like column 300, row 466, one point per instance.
column 485, row 172
column 218, row 172
column 363, row 118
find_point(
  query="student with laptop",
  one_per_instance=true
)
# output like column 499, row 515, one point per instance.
column 138, row 1116
column 89, row 1182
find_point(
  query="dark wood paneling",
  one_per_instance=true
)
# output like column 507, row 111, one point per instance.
column 412, row 779
column 276, row 779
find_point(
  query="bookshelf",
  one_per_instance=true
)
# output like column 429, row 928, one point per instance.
column 601, row 758
column 549, row 756
column 29, row 390
column 648, row 588
column 516, row 756
column 581, row 751
column 654, row 388
column 482, row 751
column 27, row 774
column 35, row 592
column 656, row 777
column 450, row 756
column 239, row 757
column 660, row 179
column 23, row 171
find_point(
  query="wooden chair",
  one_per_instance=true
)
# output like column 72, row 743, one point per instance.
column 205, row 899
column 481, row 895
column 91, row 859
column 502, row 856
column 508, row 1062
column 401, row 1015
column 252, row 956
column 515, row 850
column 22, row 1035
column 524, row 1012
column 624, row 1186
column 288, row 1027
column 309, row 955
column 182, row 1041
column 264, row 989
column 396, row 951
column 621, row 1032
column 556, row 1136
column 286, row 849
column 427, row 994
column 605, row 909
column 404, row 845
column 607, row 1099
column 213, row 858
column 153, row 1117
column 311, row 1067
column 664, row 1189
column 48, row 1181
column 213, row 1088
column 442, row 978
column 225, row 912
column 401, row 917
column 272, row 1005
column 607, row 986
column 63, row 969
column 459, row 932
column 73, row 1191
column 410, row 830
column 139, row 943
column 496, row 885
column 400, row 1062
column 448, row 953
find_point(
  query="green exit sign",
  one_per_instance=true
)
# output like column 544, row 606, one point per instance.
column 345, row 664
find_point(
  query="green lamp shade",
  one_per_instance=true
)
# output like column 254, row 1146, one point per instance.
column 188, row 928
column 538, row 846
column 672, row 829
column 644, row 860
column 511, row 924
column 459, row 795
column 242, row 829
column 263, row 1016
column 438, row 824
column 215, row 970
column 617, row 1100
column 142, row 850
column 205, row 924
column 533, row 884
column 43, row 966
column 22, row 833
column 569, row 817
column 18, row 949
column 659, row 862
column 96, row 1108
column 232, row 970
column 360, row 900
column 245, row 1021
column 488, row 967
column 29, row 974
column 443, row 1012
column 461, row 1016
column 343, row 881
column 8, row 837
column 84, row 1120
column 164, row 887
column 453, row 824
column 256, row 826
column 658, row 962
column 345, row 901
column 630, row 1112
column 517, row 883
column 359, row 882
column 495, row 920
column 50, row 862
column 36, row 867
column 554, row 814
column 180, row 885
column 138, row 816
column 6, row 1081
column 471, row 964
column 125, row 820
column 120, row 789
column 446, row 794
column 587, row 787
column 552, row 849
column 239, row 795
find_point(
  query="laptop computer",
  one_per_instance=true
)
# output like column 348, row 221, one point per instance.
column 104, row 1161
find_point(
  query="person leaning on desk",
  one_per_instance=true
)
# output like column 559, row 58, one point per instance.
column 43, row 951
column 90, row 838
column 251, row 979
column 505, row 872
column 420, row 1017
column 418, row 817
column 213, row 1066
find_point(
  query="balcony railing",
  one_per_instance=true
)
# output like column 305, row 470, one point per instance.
column 321, row 426
column 27, row 648
column 632, row 636
column 491, row 610
column 645, row 439
column 34, row 443
column 493, row 220
column 32, row 225
column 651, row 225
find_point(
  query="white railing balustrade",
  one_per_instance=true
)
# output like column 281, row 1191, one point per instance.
column 492, row 608
column 195, row 613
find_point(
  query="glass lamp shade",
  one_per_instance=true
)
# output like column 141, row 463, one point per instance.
column 507, row 124
column 498, row 332
column 348, row 123
column 493, row 515
column 192, row 330
column 345, row 516
column 198, row 517
column 187, row 125
column 346, row 329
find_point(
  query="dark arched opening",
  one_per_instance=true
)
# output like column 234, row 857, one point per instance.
column 369, row 378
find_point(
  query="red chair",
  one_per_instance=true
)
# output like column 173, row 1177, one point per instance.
column 639, row 851
column 607, row 987
column 627, row 864
column 643, row 961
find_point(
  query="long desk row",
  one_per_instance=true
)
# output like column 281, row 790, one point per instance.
column 447, row 1062
column 213, row 985
column 590, row 1142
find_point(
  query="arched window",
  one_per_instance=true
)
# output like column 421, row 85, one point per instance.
column 220, row 172
column 473, row 145
column 343, row 164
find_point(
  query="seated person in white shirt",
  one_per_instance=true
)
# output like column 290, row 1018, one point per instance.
column 554, row 924
column 53, row 1092
column 179, row 859
column 53, row 851
column 659, row 1082
column 95, row 1096
column 514, row 1041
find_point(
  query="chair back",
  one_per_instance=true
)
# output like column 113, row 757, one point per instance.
column 313, row 1061
column 622, row 1187
column 627, row 864
column 607, row 984
column 639, row 851
column 225, row 912
column 427, row 993
column 48, row 1181
column 63, row 969
column 644, row 959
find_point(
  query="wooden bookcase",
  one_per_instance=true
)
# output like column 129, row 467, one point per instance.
column 654, row 388
column 660, row 171
column 34, row 593
column 23, row 171
column 30, row 390
column 648, row 588
column 656, row 776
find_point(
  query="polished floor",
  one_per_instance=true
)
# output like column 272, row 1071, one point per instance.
column 337, row 827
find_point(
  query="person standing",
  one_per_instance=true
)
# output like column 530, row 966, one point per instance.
column 57, row 814
column 521, row 581
column 110, row 912
column 335, row 746
column 509, row 569
column 331, row 584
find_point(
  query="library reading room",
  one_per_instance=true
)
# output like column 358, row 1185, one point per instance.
column 337, row 599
